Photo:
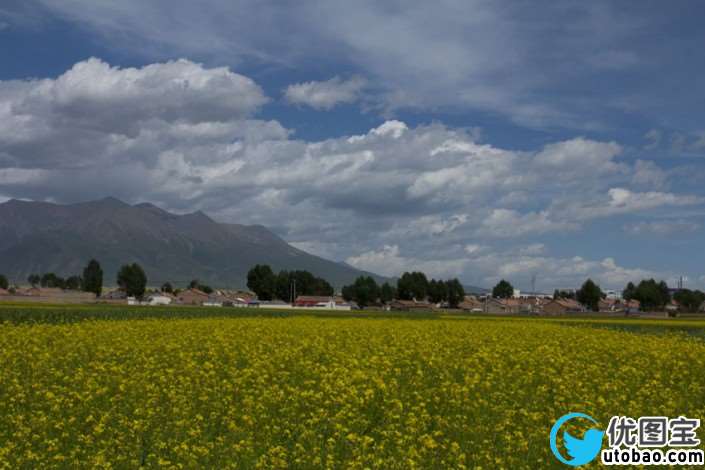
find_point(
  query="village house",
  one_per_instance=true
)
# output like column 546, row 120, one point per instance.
column 470, row 304
column 563, row 307
column 533, row 305
column 159, row 299
column 502, row 306
column 672, row 307
column 192, row 297
column 314, row 301
column 610, row 304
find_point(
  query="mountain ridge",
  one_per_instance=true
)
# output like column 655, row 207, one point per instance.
column 38, row 237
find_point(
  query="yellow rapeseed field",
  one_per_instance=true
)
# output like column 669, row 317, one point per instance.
column 305, row 392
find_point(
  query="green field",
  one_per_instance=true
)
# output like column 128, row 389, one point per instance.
column 230, row 388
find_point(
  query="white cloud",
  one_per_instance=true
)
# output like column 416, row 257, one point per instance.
column 327, row 94
column 510, row 223
column 579, row 152
column 565, row 272
column 390, row 262
column 473, row 249
column 519, row 268
column 473, row 54
column 648, row 174
column 186, row 137
column 618, row 201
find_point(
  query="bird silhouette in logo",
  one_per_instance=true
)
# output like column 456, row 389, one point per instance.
column 585, row 449
column 581, row 451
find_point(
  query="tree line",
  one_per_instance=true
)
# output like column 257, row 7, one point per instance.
column 262, row 280
column 131, row 278
column 410, row 286
column 654, row 295
column 91, row 279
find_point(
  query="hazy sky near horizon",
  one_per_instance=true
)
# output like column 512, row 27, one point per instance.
column 478, row 139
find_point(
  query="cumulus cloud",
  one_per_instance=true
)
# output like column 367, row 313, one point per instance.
column 579, row 155
column 390, row 262
column 185, row 137
column 327, row 94
column 520, row 265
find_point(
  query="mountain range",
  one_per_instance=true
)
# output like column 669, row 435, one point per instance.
column 40, row 237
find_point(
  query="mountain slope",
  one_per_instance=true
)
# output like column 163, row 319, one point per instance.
column 38, row 237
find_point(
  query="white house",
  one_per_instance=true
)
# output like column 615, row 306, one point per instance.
column 157, row 299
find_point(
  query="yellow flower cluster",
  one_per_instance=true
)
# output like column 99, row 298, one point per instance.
column 307, row 392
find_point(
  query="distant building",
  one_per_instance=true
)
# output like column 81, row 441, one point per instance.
column 158, row 299
column 471, row 304
column 314, row 301
column 502, row 306
column 533, row 295
column 563, row 307
column 610, row 304
column 192, row 297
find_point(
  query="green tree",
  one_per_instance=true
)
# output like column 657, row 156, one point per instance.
column 589, row 295
column 283, row 286
column 4, row 283
column 386, row 293
column 167, row 288
column 651, row 295
column 34, row 279
column 93, row 277
column 364, row 291
column 132, row 279
column 52, row 280
column 261, row 281
column 437, row 291
column 74, row 283
column 629, row 291
column 689, row 300
column 412, row 285
column 455, row 292
column 347, row 293
column 503, row 290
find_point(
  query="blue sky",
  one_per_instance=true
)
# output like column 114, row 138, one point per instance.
column 476, row 139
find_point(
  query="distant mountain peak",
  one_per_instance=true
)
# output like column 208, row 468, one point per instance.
column 112, row 201
column 39, row 237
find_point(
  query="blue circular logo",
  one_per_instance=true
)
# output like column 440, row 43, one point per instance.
column 581, row 451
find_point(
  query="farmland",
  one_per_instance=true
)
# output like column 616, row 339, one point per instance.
column 199, row 388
